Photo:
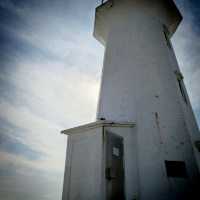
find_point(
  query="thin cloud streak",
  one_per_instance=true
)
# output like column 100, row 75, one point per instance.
column 48, row 84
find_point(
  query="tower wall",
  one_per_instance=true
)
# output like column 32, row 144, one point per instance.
column 139, row 83
column 144, row 149
column 111, row 11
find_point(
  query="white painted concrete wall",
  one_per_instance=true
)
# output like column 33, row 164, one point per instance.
column 85, row 164
column 83, row 169
column 139, row 84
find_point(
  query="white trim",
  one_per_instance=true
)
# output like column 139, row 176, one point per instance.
column 97, row 124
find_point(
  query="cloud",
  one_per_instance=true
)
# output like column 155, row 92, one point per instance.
column 47, row 92
column 14, row 146
column 47, row 100
column 48, row 83
column 50, row 102
column 19, row 180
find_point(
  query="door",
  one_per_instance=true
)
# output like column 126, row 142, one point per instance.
column 114, row 167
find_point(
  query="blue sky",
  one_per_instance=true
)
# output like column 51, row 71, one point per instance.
column 49, row 81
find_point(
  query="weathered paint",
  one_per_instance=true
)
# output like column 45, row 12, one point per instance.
column 139, row 83
column 85, row 163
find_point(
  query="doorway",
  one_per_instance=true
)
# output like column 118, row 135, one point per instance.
column 114, row 167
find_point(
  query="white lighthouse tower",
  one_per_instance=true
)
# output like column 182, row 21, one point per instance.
column 145, row 142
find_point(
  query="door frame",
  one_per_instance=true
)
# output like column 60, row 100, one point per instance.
column 105, row 181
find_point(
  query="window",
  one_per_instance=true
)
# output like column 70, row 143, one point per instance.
column 176, row 169
column 197, row 145
column 179, row 77
column 166, row 34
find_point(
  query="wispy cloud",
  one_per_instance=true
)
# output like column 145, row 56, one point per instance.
column 49, row 81
column 19, row 180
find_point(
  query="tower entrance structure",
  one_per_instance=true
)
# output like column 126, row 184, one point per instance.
column 145, row 143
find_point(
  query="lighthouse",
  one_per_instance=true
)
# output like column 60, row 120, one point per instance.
column 145, row 143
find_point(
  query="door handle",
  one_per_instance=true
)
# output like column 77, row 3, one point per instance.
column 110, row 174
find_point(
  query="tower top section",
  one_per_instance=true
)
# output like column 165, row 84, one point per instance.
column 111, row 12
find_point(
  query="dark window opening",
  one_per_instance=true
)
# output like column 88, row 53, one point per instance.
column 197, row 145
column 182, row 91
column 176, row 169
column 167, row 40
column 180, row 84
column 166, row 34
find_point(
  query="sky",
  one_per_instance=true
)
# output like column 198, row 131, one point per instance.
column 50, row 69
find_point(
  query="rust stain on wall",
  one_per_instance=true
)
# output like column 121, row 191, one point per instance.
column 158, row 126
